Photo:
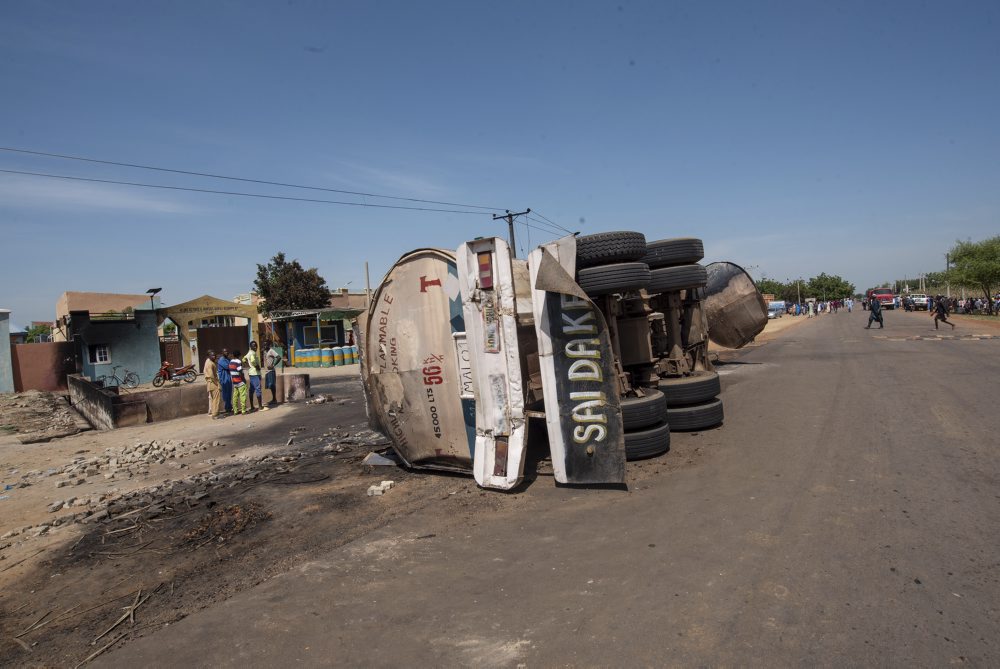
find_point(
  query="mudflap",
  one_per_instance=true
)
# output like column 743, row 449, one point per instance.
column 576, row 360
column 491, row 340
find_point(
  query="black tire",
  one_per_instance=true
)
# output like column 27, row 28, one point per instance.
column 697, row 417
column 681, row 277
column 606, row 248
column 647, row 443
column 157, row 381
column 687, row 390
column 669, row 252
column 131, row 380
column 640, row 412
column 191, row 376
column 617, row 278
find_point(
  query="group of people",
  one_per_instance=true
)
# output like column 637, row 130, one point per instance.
column 810, row 309
column 234, row 381
column 938, row 308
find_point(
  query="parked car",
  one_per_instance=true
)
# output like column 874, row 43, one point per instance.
column 776, row 309
column 599, row 343
column 920, row 301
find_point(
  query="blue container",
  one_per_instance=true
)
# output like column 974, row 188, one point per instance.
column 355, row 358
column 338, row 356
column 327, row 356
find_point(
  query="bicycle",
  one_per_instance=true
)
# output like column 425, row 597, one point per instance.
column 127, row 380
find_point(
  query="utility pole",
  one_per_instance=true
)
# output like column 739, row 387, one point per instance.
column 947, row 267
column 509, row 217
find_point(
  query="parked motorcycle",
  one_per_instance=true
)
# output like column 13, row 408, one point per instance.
column 170, row 373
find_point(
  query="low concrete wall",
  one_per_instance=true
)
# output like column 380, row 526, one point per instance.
column 93, row 402
column 187, row 399
column 107, row 410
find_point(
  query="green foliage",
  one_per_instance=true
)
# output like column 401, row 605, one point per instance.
column 169, row 329
column 976, row 265
column 826, row 287
column 37, row 333
column 770, row 286
column 283, row 286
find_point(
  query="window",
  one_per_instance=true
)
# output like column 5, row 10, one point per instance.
column 100, row 354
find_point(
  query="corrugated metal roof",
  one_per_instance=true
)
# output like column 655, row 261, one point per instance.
column 323, row 314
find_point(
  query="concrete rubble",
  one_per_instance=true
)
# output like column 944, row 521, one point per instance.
column 171, row 496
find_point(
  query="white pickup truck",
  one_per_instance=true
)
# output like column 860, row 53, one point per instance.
column 596, row 346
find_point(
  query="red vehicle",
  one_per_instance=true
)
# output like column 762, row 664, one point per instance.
column 883, row 295
column 170, row 373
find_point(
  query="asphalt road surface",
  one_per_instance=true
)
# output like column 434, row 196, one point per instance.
column 846, row 514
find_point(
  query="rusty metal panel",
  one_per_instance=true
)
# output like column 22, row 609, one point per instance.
column 412, row 363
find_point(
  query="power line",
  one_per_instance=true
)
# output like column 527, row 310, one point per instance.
column 239, row 194
column 548, row 226
column 549, row 220
column 246, row 180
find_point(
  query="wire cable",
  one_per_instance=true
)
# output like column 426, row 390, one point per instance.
column 246, row 180
column 548, row 220
column 548, row 226
column 239, row 194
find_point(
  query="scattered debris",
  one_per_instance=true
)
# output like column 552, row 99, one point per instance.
column 35, row 416
column 380, row 489
column 379, row 460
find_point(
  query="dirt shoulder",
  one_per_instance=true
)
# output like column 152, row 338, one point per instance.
column 255, row 497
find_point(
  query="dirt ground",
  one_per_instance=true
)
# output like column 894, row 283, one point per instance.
column 239, row 501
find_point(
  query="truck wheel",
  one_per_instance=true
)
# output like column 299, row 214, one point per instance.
column 679, row 251
column 695, row 417
column 618, row 278
column 640, row 412
column 647, row 443
column 681, row 277
column 609, row 247
column 695, row 389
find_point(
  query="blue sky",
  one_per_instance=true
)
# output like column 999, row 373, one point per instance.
column 853, row 138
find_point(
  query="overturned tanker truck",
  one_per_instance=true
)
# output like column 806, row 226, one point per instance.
column 595, row 347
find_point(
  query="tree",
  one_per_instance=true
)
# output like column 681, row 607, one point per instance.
column 976, row 265
column 39, row 333
column 283, row 286
column 827, row 287
column 770, row 286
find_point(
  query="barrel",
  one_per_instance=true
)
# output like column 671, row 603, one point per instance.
column 355, row 359
column 314, row 357
column 338, row 356
column 327, row 357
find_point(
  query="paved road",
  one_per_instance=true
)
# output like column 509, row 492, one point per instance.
column 845, row 515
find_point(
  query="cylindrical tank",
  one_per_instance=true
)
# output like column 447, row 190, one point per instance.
column 338, row 356
column 328, row 357
column 354, row 354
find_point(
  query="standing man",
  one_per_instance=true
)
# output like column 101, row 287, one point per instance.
column 271, row 359
column 941, row 313
column 225, row 381
column 252, row 367
column 875, row 313
column 211, row 373
column 239, row 384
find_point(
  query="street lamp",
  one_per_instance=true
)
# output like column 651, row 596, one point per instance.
column 151, row 292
